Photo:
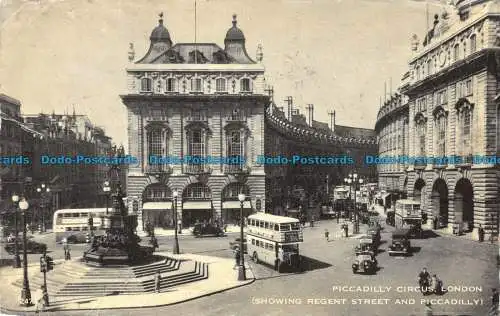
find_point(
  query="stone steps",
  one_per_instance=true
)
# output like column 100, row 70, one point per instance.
column 176, row 274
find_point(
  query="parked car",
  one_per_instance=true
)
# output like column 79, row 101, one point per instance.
column 365, row 262
column 236, row 244
column 390, row 220
column 207, row 230
column 400, row 242
column 32, row 247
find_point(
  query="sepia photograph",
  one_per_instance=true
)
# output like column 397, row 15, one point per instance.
column 265, row 157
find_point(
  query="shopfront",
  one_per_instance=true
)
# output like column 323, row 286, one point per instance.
column 231, row 206
column 157, row 206
column 197, row 205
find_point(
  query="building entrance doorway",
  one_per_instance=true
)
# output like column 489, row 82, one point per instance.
column 440, row 202
column 464, row 204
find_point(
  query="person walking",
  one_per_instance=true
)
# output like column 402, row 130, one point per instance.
column 346, row 230
column 327, row 235
column 67, row 252
column 494, row 303
column 157, row 281
column 480, row 232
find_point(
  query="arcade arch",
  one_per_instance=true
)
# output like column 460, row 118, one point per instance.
column 440, row 202
column 464, row 204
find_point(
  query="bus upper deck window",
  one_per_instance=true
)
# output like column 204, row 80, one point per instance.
column 261, row 224
column 276, row 227
column 266, row 225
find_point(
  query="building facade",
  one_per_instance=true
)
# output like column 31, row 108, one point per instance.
column 294, row 187
column 453, row 115
column 189, row 102
column 392, row 137
column 64, row 135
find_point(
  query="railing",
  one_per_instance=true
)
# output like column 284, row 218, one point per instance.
column 440, row 162
column 197, row 118
column 420, row 164
column 236, row 169
column 197, row 169
column 236, row 118
column 466, row 160
column 155, row 169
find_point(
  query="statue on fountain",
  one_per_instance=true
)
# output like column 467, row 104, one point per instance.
column 119, row 245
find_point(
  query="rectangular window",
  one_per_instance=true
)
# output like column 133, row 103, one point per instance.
column 468, row 87
column 466, row 132
column 220, row 85
column 473, row 44
column 196, row 85
column 155, row 143
column 253, row 242
column 456, row 52
column 245, row 85
column 170, row 85
column 235, row 146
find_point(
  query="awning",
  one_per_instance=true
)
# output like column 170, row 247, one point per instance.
column 157, row 206
column 236, row 205
column 197, row 205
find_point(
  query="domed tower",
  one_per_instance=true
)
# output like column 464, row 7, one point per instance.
column 235, row 44
column 160, row 42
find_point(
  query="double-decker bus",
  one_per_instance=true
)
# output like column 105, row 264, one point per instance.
column 409, row 215
column 75, row 222
column 274, row 240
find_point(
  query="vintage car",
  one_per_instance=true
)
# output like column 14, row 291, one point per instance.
column 365, row 262
column 365, row 245
column 207, row 230
column 390, row 220
column 235, row 244
column 400, row 242
column 32, row 247
column 374, row 232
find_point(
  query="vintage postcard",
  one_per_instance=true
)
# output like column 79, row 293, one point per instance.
column 266, row 157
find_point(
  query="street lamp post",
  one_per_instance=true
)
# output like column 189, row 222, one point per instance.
column 353, row 180
column 106, row 188
column 43, row 189
column 26, row 293
column 176, row 239
column 17, row 259
column 241, row 268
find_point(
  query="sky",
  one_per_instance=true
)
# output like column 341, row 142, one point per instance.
column 56, row 55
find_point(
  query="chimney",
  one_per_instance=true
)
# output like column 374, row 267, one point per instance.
column 332, row 120
column 289, row 101
column 310, row 114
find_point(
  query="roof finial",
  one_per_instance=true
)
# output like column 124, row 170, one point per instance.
column 161, row 18
column 234, row 19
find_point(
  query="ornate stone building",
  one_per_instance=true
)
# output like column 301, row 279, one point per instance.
column 195, row 100
column 305, row 186
column 452, row 113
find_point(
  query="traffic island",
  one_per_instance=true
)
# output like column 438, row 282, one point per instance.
column 185, row 277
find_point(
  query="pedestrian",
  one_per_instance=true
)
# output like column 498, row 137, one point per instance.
column 312, row 221
column 327, row 235
column 346, row 230
column 428, row 309
column 157, row 281
column 480, row 232
column 236, row 257
column 67, row 254
column 45, row 295
column 494, row 302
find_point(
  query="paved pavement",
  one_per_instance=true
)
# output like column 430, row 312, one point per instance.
column 469, row 266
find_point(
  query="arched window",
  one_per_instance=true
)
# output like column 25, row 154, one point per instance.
column 245, row 85
column 465, row 129
column 421, row 129
column 440, row 134
column 146, row 85
column 235, row 144
column 220, row 85
column 473, row 43
column 170, row 85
